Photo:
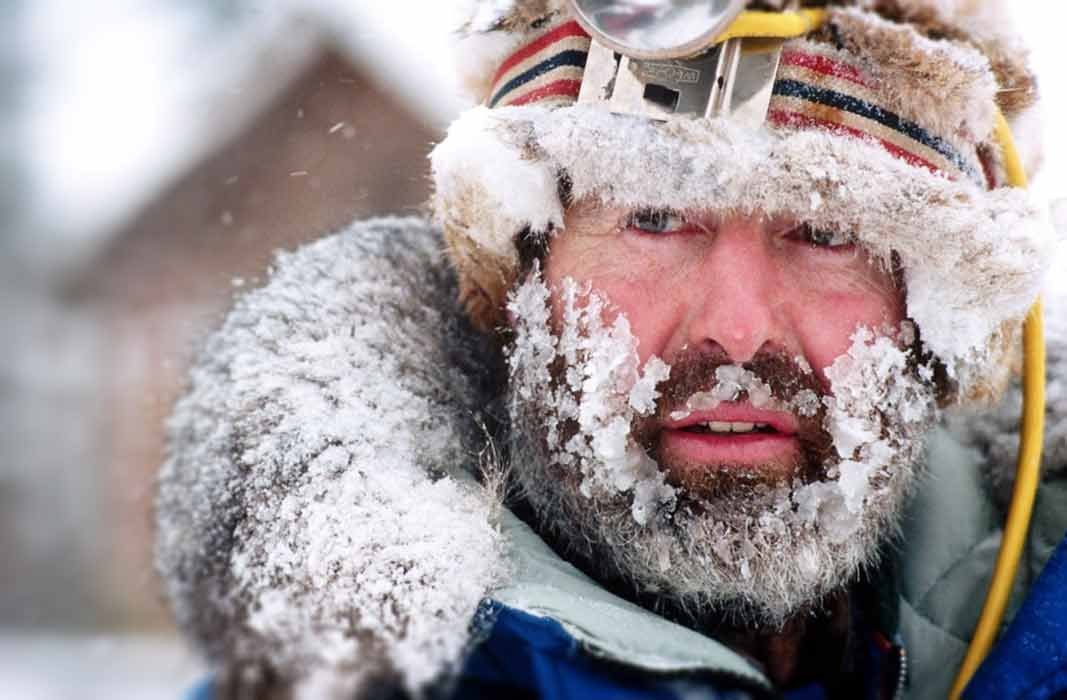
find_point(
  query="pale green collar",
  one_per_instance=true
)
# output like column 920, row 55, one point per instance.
column 545, row 585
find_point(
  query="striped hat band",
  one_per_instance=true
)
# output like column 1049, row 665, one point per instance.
column 814, row 89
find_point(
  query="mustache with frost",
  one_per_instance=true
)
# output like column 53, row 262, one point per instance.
column 772, row 380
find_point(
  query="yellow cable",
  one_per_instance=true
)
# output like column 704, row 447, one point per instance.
column 773, row 25
column 1013, row 164
column 1028, row 471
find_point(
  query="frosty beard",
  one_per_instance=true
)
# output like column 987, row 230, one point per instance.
column 750, row 551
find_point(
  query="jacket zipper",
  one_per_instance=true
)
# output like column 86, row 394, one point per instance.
column 902, row 673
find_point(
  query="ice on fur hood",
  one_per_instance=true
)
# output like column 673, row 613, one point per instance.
column 319, row 518
column 972, row 255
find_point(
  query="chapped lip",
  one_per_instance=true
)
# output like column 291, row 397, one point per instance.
column 730, row 412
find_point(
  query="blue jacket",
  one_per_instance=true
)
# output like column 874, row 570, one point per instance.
column 1030, row 660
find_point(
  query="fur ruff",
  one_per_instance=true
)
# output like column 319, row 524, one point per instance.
column 973, row 259
column 995, row 432
column 321, row 529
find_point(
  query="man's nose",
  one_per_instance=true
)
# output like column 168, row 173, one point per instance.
column 735, row 296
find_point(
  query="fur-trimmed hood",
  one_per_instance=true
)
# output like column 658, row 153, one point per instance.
column 328, row 516
column 320, row 521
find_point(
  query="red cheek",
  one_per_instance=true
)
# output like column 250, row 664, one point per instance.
column 841, row 315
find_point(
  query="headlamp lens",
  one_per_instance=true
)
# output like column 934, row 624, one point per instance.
column 656, row 28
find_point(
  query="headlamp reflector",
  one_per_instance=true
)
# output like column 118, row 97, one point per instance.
column 656, row 29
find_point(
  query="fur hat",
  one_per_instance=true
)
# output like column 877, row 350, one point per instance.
column 882, row 126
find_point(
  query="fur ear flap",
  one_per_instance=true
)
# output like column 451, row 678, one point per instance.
column 491, row 183
column 995, row 432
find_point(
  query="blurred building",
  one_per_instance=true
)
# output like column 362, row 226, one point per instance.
column 305, row 139
column 333, row 148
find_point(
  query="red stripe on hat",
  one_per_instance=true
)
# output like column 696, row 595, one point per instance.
column 781, row 117
column 988, row 171
column 825, row 66
column 565, row 88
column 561, row 32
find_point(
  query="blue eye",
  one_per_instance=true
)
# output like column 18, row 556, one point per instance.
column 820, row 238
column 656, row 221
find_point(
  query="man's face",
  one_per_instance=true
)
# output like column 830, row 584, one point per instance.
column 721, row 411
column 703, row 290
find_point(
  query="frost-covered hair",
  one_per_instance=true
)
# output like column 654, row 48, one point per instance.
column 972, row 257
column 754, row 554
column 320, row 525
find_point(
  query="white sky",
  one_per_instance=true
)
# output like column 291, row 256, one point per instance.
column 1041, row 23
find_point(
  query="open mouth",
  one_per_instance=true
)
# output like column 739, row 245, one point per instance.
column 735, row 434
column 730, row 428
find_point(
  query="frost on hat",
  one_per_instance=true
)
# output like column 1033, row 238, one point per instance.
column 881, row 127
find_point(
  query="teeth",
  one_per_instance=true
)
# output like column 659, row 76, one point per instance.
column 725, row 427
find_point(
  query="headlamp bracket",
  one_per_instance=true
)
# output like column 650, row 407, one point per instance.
column 734, row 79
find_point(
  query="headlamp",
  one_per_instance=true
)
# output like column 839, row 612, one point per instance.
column 656, row 29
column 661, row 58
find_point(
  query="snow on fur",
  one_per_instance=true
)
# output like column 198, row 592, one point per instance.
column 973, row 259
column 319, row 522
column 944, row 85
column 523, row 191
column 996, row 432
column 488, row 32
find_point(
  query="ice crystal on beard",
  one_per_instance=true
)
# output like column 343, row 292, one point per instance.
column 869, row 383
column 806, row 403
column 730, row 381
column 602, row 389
column 762, row 553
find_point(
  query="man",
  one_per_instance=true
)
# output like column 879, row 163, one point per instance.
column 687, row 446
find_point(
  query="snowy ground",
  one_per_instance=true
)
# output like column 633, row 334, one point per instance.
column 38, row 667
